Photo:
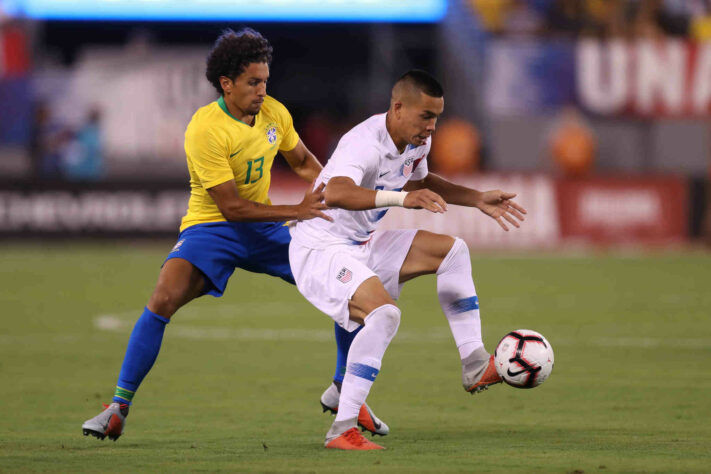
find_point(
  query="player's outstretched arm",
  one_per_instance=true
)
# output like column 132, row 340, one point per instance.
column 302, row 162
column 236, row 209
column 344, row 193
column 497, row 204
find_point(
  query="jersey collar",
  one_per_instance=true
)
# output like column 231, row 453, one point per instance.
column 223, row 106
column 388, row 142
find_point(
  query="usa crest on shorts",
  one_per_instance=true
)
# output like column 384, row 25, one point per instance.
column 345, row 275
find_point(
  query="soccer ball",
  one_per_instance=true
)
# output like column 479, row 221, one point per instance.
column 524, row 358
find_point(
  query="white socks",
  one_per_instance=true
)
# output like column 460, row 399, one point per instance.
column 457, row 297
column 364, row 359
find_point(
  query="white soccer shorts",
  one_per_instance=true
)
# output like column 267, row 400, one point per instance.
column 329, row 277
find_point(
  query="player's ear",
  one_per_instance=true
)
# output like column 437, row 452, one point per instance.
column 226, row 84
column 397, row 108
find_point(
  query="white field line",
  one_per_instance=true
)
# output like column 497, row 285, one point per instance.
column 115, row 323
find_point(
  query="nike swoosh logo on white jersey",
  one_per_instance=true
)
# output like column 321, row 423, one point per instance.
column 383, row 174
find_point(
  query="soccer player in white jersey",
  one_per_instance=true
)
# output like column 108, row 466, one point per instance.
column 354, row 273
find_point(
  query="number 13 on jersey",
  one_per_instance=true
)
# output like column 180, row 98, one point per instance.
column 254, row 167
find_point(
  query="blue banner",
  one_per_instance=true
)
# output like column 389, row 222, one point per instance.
column 16, row 115
column 530, row 76
column 407, row 11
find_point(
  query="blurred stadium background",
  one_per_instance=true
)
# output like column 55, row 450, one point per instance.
column 595, row 111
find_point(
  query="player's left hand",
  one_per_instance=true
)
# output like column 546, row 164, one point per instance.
column 498, row 205
column 313, row 204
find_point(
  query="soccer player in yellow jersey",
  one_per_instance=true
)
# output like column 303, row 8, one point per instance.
column 230, row 146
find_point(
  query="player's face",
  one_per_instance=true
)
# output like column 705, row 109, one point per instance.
column 419, row 117
column 248, row 90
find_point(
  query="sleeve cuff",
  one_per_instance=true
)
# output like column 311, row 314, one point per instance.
column 290, row 146
column 216, row 181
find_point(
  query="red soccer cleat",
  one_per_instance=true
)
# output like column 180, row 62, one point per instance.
column 366, row 418
column 489, row 377
column 352, row 440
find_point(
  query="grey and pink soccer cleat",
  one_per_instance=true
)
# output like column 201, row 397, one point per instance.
column 109, row 422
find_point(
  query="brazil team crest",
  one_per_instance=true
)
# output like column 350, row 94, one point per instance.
column 271, row 133
column 178, row 245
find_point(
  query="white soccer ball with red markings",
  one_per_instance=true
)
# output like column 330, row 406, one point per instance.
column 524, row 358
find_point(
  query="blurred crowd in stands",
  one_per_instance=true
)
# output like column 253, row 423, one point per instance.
column 600, row 18
column 57, row 150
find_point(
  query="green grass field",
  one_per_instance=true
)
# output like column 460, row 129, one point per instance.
column 237, row 383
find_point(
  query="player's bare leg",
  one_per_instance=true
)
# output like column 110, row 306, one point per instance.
column 426, row 254
column 371, row 306
column 448, row 257
column 178, row 283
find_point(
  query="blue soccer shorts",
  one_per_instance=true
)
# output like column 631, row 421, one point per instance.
column 216, row 249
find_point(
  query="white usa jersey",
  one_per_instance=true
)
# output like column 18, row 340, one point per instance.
column 368, row 156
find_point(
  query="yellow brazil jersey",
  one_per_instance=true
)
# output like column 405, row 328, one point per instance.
column 220, row 148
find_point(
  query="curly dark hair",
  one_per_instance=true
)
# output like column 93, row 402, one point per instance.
column 233, row 52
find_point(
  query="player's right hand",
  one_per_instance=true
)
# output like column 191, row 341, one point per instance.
column 313, row 204
column 425, row 199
